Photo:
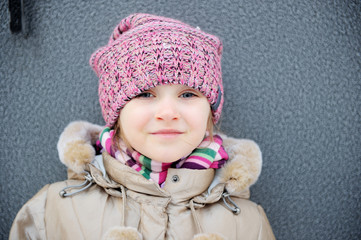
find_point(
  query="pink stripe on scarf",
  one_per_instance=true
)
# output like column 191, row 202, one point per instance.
column 108, row 145
column 199, row 160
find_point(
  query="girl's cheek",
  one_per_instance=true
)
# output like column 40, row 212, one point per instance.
column 200, row 110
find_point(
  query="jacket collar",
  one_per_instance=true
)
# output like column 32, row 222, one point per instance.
column 176, row 185
column 241, row 171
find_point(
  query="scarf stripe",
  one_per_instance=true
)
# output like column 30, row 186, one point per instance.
column 204, row 163
column 209, row 154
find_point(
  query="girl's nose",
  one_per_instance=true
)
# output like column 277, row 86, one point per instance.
column 167, row 110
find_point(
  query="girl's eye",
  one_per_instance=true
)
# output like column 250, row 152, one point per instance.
column 145, row 95
column 188, row 95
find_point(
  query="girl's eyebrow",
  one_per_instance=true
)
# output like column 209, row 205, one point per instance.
column 192, row 90
column 187, row 88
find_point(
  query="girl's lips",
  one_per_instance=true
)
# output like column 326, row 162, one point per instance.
column 167, row 133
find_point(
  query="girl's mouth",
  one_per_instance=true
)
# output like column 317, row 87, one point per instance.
column 167, row 133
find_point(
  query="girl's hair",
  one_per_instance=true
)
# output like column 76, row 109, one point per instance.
column 119, row 135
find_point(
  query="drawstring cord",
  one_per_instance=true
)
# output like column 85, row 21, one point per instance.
column 85, row 185
column 195, row 217
column 124, row 198
column 231, row 205
column 89, row 180
column 228, row 200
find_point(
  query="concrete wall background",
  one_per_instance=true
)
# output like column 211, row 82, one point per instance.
column 292, row 79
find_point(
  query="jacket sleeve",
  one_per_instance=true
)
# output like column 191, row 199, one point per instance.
column 29, row 223
column 265, row 231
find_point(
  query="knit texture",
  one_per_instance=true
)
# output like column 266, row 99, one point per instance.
column 209, row 154
column 145, row 51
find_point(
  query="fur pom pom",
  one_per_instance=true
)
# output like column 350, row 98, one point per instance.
column 122, row 233
column 245, row 167
column 75, row 145
column 208, row 236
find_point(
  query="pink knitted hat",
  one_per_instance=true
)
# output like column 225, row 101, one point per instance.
column 145, row 51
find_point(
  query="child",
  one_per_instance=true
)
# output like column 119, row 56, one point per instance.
column 162, row 173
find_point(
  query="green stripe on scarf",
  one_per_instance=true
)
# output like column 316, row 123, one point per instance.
column 205, row 152
column 145, row 172
column 147, row 162
column 107, row 129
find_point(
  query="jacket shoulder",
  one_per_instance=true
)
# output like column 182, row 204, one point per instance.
column 253, row 216
column 266, row 230
column 29, row 222
column 250, row 223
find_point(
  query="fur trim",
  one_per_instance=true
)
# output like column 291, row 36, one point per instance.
column 75, row 145
column 208, row 236
column 245, row 166
column 122, row 233
column 76, row 150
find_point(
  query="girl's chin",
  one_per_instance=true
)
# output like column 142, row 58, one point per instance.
column 169, row 158
column 166, row 160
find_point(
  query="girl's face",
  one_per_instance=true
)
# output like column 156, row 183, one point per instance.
column 166, row 122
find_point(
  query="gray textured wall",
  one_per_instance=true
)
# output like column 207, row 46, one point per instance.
column 292, row 82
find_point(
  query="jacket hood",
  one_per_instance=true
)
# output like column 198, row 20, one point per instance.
column 76, row 151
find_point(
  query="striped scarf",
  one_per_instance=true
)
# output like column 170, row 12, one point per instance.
column 209, row 154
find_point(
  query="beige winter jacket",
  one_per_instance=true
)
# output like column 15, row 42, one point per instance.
column 122, row 204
